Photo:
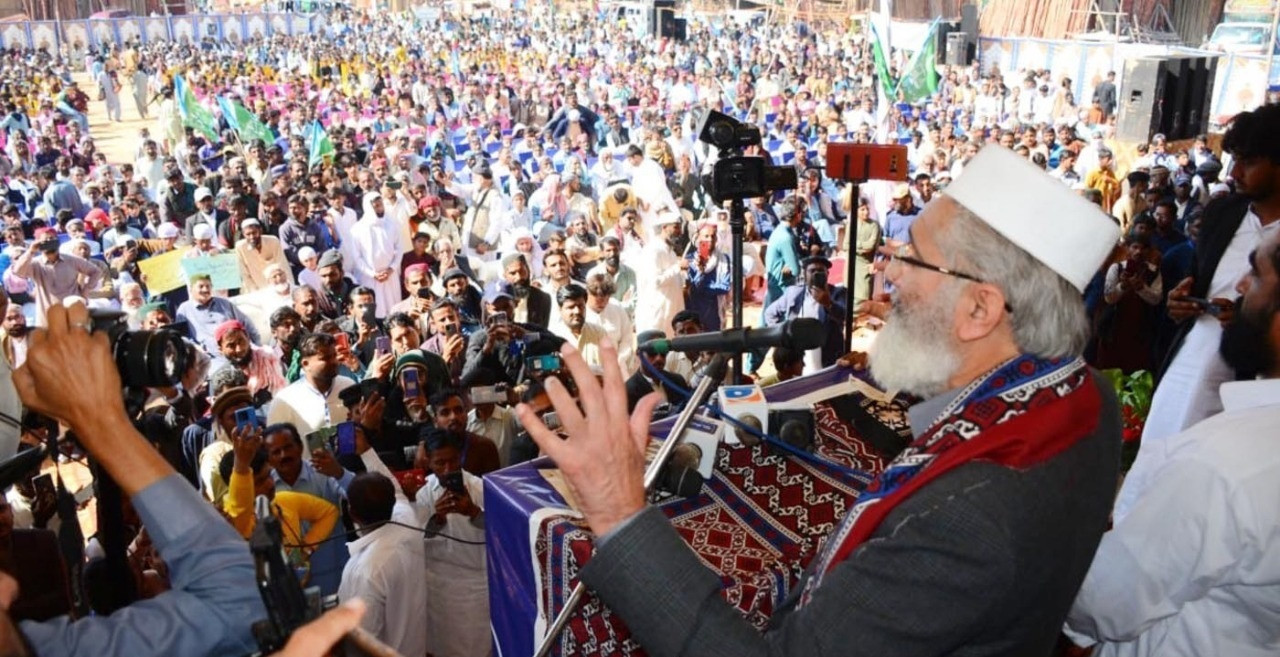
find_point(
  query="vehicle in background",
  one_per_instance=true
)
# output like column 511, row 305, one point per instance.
column 1246, row 28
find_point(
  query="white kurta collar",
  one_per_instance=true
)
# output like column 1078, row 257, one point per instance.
column 1245, row 395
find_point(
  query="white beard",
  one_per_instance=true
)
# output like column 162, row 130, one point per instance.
column 915, row 352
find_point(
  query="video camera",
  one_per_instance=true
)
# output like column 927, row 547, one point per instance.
column 740, row 177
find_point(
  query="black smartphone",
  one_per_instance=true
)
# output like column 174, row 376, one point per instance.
column 453, row 482
column 424, row 293
column 1205, row 305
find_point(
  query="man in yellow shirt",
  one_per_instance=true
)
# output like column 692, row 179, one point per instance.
column 248, row 475
column 1104, row 179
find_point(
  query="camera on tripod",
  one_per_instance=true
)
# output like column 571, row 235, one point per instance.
column 737, row 176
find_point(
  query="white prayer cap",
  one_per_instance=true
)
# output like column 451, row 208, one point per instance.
column 666, row 217
column 202, row 232
column 1219, row 188
column 306, row 253
column 1039, row 214
column 167, row 231
column 203, row 193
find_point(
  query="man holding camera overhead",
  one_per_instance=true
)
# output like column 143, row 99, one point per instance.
column 56, row 276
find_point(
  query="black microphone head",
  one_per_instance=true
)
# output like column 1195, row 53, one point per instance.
column 684, row 482
column 797, row 434
column 686, row 455
column 805, row 333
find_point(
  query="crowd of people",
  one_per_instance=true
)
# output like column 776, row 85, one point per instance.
column 494, row 189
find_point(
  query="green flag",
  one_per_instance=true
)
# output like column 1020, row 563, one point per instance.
column 194, row 114
column 920, row 79
column 882, row 65
column 250, row 127
column 321, row 146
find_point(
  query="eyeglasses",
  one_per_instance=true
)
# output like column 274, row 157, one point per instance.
column 906, row 254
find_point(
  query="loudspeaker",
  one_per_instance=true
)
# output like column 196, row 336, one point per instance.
column 959, row 50
column 671, row 27
column 665, row 23
column 1168, row 95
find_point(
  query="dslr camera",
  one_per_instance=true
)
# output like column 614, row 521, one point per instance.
column 145, row 359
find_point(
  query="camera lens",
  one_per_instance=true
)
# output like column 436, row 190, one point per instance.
column 150, row 359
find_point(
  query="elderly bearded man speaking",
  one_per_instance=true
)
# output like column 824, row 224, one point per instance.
column 975, row 539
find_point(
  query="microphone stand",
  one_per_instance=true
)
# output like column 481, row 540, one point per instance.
column 711, row 379
column 737, row 229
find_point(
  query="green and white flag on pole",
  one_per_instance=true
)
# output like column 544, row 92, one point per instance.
column 880, row 53
column 920, row 78
column 321, row 146
column 194, row 114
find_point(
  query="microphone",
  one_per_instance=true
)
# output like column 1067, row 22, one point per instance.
column 800, row 334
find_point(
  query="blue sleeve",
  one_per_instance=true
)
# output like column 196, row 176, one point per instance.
column 210, row 609
column 776, row 313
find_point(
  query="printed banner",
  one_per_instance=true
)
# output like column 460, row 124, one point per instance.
column 162, row 273
column 223, row 270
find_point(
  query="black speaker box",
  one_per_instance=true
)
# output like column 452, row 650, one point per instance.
column 1168, row 95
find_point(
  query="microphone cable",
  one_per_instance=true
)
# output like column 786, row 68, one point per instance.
column 375, row 525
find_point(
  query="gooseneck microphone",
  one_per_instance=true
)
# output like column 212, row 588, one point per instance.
column 800, row 334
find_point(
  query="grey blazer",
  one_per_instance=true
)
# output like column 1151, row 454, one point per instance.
column 985, row 560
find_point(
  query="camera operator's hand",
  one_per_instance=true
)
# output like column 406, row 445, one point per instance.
column 91, row 401
column 45, row 381
column 497, row 333
column 459, row 503
column 321, row 636
column 454, row 347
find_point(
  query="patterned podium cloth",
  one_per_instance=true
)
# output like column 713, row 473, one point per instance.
column 757, row 523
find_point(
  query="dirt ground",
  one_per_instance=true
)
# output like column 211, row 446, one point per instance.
column 117, row 140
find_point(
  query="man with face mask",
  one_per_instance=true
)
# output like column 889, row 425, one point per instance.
column 377, row 247
column 254, row 253
column 532, row 306
column 661, row 275
column 1184, row 569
